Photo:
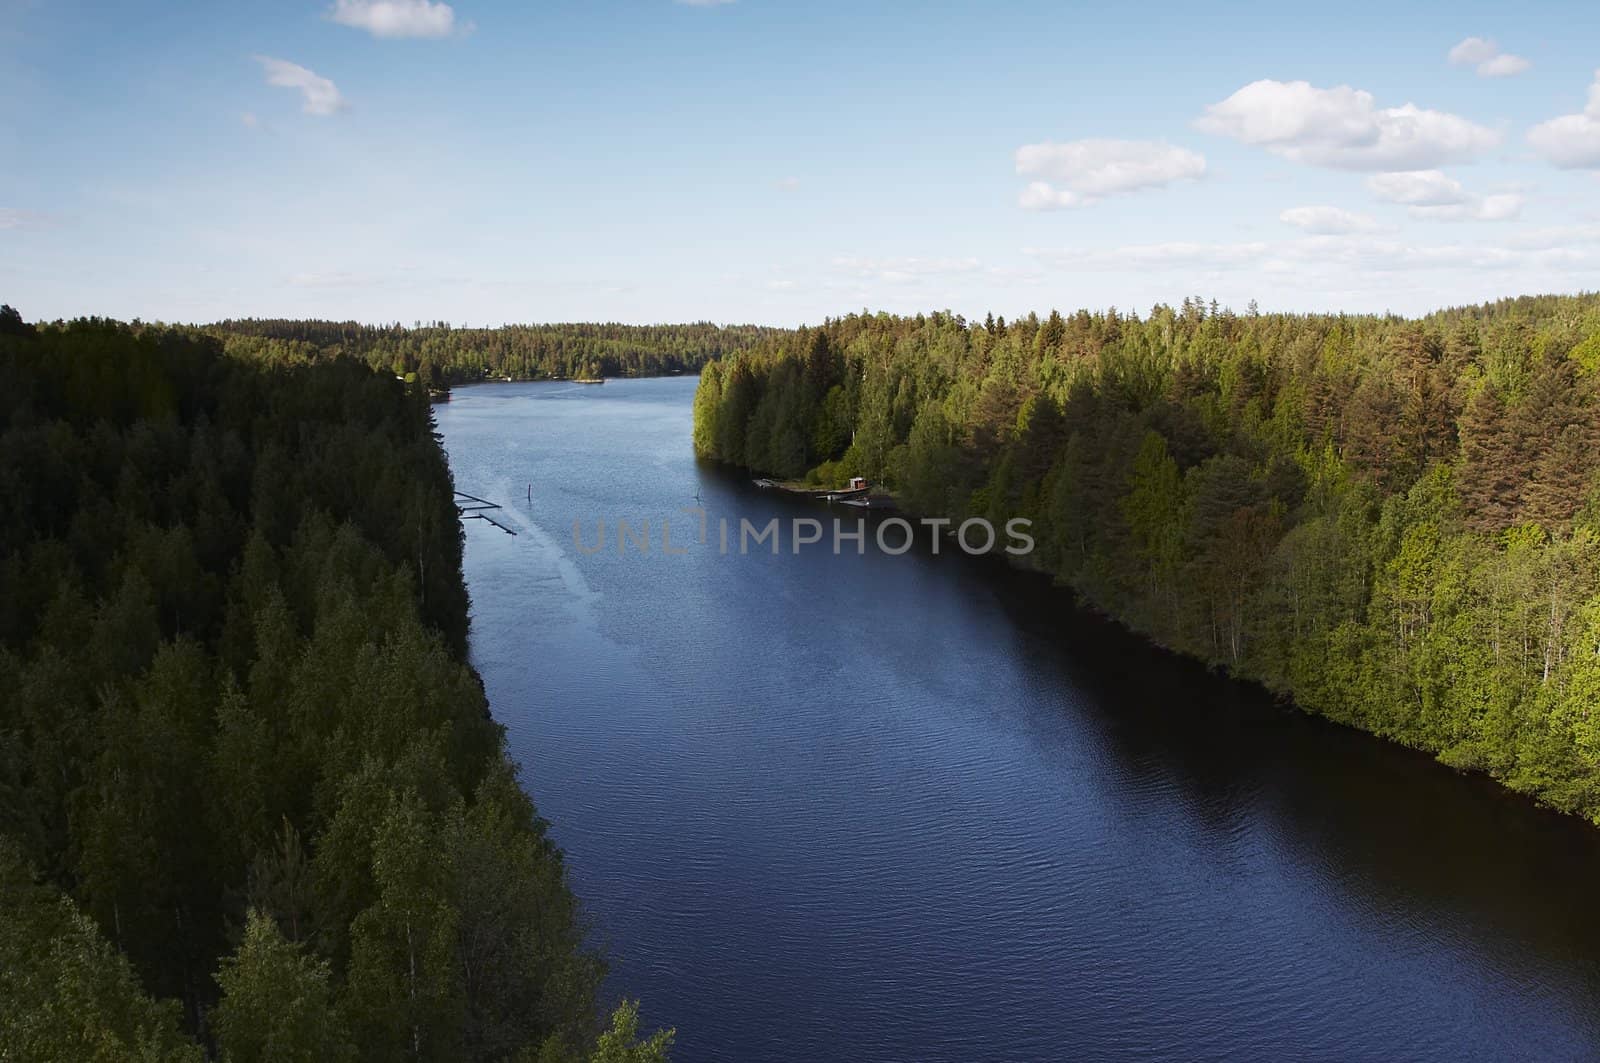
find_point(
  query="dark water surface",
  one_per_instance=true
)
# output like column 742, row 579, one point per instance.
column 919, row 808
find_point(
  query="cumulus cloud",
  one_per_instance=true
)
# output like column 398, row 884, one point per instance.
column 1485, row 56
column 1081, row 172
column 395, row 18
column 1343, row 128
column 1503, row 66
column 318, row 95
column 1502, row 207
column 1472, row 51
column 1572, row 141
column 1439, row 197
column 1329, row 220
column 1417, row 188
column 1041, row 195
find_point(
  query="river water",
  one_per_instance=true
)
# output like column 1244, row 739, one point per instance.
column 918, row 808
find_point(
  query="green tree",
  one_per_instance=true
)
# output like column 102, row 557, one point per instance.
column 65, row 993
column 276, row 1002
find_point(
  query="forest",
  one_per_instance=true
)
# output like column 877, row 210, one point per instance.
column 1394, row 523
column 253, row 805
column 441, row 355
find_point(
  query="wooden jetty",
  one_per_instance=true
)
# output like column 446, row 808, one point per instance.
column 471, row 507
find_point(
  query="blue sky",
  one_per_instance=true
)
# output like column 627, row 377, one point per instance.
column 757, row 160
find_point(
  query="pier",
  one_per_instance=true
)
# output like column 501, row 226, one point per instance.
column 471, row 507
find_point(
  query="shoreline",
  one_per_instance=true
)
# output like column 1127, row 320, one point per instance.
column 1025, row 565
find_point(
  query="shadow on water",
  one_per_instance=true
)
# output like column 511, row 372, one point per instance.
column 1397, row 829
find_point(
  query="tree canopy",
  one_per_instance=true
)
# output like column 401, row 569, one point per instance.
column 440, row 354
column 251, row 796
column 1394, row 522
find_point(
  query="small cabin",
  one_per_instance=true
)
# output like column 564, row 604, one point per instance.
column 858, row 483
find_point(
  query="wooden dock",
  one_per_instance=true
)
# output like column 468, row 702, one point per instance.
column 471, row 507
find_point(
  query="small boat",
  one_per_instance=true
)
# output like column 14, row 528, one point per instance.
column 857, row 489
column 588, row 380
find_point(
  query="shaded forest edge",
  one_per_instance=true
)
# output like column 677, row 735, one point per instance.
column 252, row 802
column 1395, row 523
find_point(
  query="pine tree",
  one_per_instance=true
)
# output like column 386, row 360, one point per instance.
column 1492, row 474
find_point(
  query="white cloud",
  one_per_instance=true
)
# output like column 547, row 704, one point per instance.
column 395, row 18
column 1311, row 258
column 1329, row 220
column 318, row 95
column 1572, row 141
column 1084, row 171
column 1503, row 66
column 1044, row 196
column 1343, row 128
column 1432, row 195
column 1472, row 51
column 1554, row 237
column 1041, row 195
column 1484, row 55
column 1375, row 255
column 1502, row 207
column 1417, row 188
column 1174, row 255
column 908, row 270
column 12, row 218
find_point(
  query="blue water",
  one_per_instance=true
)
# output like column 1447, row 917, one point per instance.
column 878, row 808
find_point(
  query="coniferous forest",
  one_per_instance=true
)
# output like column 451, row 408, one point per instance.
column 441, row 355
column 1393, row 522
column 252, row 803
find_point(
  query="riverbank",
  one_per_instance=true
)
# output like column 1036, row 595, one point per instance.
column 1244, row 491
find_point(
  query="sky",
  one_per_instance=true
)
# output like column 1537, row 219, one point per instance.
column 483, row 162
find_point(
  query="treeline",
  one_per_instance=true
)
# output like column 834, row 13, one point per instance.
column 1393, row 521
column 252, row 803
column 441, row 355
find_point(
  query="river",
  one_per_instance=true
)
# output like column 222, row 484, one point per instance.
column 920, row 808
